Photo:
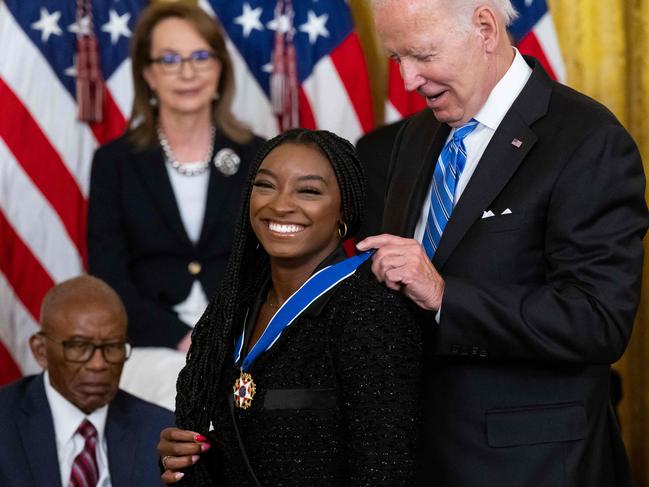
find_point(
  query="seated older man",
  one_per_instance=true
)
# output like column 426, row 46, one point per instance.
column 71, row 425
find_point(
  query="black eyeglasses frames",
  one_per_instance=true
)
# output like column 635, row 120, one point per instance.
column 80, row 351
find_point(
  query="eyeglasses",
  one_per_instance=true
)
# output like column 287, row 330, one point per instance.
column 80, row 351
column 172, row 62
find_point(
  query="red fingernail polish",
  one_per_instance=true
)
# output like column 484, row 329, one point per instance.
column 205, row 446
column 199, row 438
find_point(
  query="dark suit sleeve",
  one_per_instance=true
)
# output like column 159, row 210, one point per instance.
column 584, row 309
column 379, row 364
column 108, row 257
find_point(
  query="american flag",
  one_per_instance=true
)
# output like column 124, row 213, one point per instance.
column 45, row 152
column 333, row 85
column 533, row 33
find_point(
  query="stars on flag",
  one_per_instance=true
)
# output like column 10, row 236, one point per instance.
column 249, row 20
column 117, row 26
column 282, row 24
column 48, row 24
column 81, row 27
column 268, row 67
column 315, row 26
column 72, row 70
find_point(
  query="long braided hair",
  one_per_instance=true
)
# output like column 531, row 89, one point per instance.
column 199, row 396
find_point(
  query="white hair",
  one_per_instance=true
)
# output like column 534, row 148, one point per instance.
column 466, row 7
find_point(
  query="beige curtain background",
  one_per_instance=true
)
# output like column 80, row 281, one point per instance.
column 605, row 45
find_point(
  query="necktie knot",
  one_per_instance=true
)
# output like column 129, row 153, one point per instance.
column 87, row 430
column 464, row 130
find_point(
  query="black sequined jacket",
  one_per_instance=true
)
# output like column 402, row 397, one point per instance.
column 337, row 397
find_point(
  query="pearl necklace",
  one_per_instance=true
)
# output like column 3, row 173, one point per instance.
column 191, row 169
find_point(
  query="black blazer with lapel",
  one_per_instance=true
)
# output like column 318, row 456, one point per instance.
column 540, row 298
column 137, row 242
column 28, row 456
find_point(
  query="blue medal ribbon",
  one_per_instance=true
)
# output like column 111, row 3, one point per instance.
column 317, row 285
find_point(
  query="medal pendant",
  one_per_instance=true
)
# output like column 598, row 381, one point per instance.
column 243, row 390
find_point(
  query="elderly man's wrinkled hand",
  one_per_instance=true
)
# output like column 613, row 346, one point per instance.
column 402, row 264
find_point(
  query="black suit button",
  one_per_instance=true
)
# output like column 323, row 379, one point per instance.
column 474, row 350
column 483, row 353
column 455, row 349
column 194, row 267
column 465, row 351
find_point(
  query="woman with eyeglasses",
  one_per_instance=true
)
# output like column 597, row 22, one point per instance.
column 163, row 196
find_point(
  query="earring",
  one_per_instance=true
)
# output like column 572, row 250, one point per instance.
column 216, row 96
column 342, row 233
column 153, row 101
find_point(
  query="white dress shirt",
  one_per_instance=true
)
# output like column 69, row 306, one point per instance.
column 67, row 418
column 498, row 103
column 191, row 197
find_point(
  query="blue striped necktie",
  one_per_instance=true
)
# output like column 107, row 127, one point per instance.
column 449, row 166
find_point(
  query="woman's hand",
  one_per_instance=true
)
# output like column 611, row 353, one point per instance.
column 179, row 449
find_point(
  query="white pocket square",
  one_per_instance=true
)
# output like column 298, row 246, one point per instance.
column 507, row 212
column 487, row 214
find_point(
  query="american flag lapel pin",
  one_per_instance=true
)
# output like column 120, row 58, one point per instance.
column 517, row 143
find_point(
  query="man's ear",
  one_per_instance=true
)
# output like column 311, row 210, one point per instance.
column 38, row 346
column 485, row 19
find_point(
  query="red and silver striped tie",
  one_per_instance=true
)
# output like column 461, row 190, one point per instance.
column 84, row 469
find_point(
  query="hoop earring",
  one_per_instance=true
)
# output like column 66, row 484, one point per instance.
column 342, row 233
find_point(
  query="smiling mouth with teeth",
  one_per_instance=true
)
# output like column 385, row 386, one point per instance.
column 285, row 229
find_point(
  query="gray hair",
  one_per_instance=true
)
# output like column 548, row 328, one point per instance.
column 464, row 7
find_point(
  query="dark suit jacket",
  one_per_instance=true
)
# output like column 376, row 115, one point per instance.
column 137, row 242
column 374, row 151
column 538, row 302
column 28, row 455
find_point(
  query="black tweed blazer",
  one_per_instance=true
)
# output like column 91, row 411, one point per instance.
column 338, row 396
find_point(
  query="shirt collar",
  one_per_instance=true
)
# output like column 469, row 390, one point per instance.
column 505, row 92
column 67, row 417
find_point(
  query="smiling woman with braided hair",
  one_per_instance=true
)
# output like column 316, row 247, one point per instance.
column 303, row 369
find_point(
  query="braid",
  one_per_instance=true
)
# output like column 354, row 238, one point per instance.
column 199, row 397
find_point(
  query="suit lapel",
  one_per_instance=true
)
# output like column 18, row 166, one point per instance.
column 122, row 443
column 499, row 162
column 216, row 192
column 417, row 146
column 424, row 177
column 37, row 434
column 151, row 168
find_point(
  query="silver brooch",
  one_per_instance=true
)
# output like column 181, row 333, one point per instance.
column 227, row 161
